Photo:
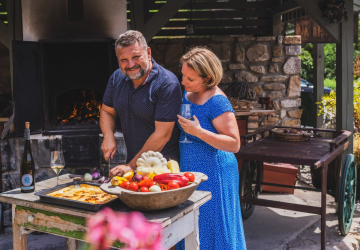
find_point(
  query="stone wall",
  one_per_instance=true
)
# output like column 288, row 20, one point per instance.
column 270, row 64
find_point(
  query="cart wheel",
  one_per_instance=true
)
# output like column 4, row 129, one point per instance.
column 347, row 194
column 248, row 186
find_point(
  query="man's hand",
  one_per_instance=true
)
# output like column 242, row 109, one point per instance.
column 108, row 147
column 107, row 125
column 120, row 170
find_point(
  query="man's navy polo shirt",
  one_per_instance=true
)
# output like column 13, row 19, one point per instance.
column 159, row 99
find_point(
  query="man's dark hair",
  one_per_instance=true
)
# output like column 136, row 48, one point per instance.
column 129, row 38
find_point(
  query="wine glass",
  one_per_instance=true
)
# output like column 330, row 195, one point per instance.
column 57, row 163
column 186, row 112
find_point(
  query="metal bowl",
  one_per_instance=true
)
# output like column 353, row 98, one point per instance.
column 155, row 200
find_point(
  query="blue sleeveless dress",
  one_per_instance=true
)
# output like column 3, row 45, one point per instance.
column 220, row 221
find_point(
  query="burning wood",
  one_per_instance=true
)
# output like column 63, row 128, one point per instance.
column 84, row 111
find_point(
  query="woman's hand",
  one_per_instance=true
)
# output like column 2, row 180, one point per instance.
column 190, row 127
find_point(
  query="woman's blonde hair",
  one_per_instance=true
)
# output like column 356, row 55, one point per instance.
column 205, row 63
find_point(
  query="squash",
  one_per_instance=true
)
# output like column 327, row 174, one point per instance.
column 173, row 166
column 150, row 161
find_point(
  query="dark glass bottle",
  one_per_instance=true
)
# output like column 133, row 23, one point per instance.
column 27, row 166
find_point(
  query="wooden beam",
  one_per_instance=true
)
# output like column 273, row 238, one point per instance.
column 271, row 3
column 260, row 31
column 312, row 8
column 318, row 91
column 4, row 34
column 344, row 77
column 137, row 15
column 157, row 21
column 228, row 23
column 240, row 5
column 283, row 8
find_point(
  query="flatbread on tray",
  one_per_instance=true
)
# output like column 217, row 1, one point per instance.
column 84, row 193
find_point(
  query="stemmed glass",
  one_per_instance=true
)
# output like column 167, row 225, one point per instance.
column 186, row 112
column 57, row 163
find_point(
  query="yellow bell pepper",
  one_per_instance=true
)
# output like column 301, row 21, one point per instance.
column 121, row 179
column 129, row 175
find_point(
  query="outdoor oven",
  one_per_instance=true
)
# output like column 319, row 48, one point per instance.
column 58, row 85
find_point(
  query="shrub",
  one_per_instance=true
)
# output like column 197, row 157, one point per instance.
column 306, row 65
column 331, row 83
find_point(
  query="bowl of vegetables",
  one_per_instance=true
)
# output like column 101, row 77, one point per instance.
column 157, row 192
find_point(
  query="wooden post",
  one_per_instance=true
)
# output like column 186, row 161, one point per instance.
column 324, row 173
column 137, row 15
column 192, row 241
column 318, row 57
column 72, row 244
column 344, row 77
column 276, row 22
column 19, row 237
column 14, row 30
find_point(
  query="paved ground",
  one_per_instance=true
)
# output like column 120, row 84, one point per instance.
column 269, row 228
column 266, row 229
column 35, row 242
column 277, row 229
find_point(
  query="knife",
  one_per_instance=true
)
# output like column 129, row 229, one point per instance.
column 109, row 165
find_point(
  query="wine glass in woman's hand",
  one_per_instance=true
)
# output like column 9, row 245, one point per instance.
column 186, row 112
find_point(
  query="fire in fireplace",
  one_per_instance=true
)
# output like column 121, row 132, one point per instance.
column 78, row 107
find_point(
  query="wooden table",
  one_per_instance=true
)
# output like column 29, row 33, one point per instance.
column 30, row 214
column 317, row 152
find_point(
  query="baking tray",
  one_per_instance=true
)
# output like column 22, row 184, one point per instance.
column 71, row 203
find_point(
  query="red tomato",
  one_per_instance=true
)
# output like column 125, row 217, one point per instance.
column 125, row 184
column 133, row 186
column 190, row 176
column 144, row 189
column 172, row 185
column 152, row 183
column 145, row 178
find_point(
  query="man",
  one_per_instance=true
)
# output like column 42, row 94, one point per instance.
column 147, row 99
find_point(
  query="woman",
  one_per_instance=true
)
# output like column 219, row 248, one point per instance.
column 215, row 138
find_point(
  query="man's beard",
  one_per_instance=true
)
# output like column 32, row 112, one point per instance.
column 137, row 76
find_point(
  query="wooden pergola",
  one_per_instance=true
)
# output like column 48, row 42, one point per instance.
column 260, row 18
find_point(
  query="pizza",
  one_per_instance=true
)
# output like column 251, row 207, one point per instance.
column 85, row 193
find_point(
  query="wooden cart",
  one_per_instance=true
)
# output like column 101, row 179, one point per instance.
column 318, row 152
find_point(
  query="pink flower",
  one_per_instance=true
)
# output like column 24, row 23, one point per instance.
column 132, row 229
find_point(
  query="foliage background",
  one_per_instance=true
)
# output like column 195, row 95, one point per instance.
column 307, row 65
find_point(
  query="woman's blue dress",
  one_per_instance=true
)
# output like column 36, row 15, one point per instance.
column 220, row 222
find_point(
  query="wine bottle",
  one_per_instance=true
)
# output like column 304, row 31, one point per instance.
column 27, row 167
